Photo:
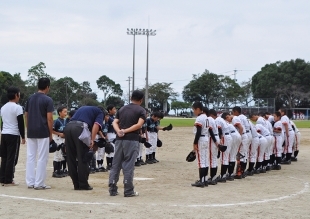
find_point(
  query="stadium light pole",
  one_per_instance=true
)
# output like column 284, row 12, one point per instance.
column 148, row 33
column 133, row 32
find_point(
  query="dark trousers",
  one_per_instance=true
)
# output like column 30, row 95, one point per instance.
column 125, row 155
column 9, row 151
column 77, row 169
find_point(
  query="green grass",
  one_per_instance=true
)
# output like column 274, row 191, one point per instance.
column 182, row 122
column 302, row 124
column 177, row 122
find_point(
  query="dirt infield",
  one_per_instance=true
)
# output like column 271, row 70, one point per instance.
column 165, row 190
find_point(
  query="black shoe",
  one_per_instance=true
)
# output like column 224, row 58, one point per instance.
column 294, row 159
column 238, row 177
column 149, row 161
column 155, row 160
column 272, row 167
column 137, row 164
column 86, row 188
column 263, row 170
column 133, row 194
column 113, row 189
column 92, row 170
column 56, row 175
column 96, row 170
column 102, row 169
column 65, row 172
column 198, row 183
column 212, row 181
column 257, row 171
column 268, row 168
column 277, row 167
column 249, row 173
column 230, row 177
column 142, row 162
column 108, row 167
column 244, row 174
column 286, row 162
column 221, row 179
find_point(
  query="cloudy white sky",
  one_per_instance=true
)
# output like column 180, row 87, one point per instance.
column 87, row 39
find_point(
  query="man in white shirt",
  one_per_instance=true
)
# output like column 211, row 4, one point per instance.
column 12, row 130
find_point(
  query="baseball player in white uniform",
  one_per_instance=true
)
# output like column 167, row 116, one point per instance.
column 289, row 137
column 278, row 140
column 225, row 139
column 296, row 142
column 245, row 144
column 201, row 144
column 213, row 147
column 252, row 150
column 236, row 142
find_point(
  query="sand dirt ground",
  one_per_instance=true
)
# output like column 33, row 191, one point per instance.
column 167, row 192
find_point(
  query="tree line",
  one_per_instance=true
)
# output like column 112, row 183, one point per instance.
column 287, row 82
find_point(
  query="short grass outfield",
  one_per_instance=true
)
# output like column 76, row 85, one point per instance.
column 189, row 122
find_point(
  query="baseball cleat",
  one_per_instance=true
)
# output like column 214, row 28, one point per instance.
column 277, row 167
column 133, row 194
column 198, row 183
column 238, row 176
column 286, row 162
column 268, row 168
column 294, row 159
column 221, row 179
column 230, row 178
column 263, row 170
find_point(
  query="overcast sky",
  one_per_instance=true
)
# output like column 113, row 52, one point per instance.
column 87, row 39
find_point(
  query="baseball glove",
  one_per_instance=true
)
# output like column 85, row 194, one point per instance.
column 222, row 148
column 53, row 146
column 101, row 142
column 191, row 156
column 168, row 128
column 109, row 148
column 239, row 156
column 159, row 143
column 142, row 140
column 147, row 145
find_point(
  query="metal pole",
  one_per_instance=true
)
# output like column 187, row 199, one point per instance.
column 147, row 73
column 133, row 65
column 67, row 94
column 129, row 90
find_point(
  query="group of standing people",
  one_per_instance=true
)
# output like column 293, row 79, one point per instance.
column 258, row 144
column 78, row 133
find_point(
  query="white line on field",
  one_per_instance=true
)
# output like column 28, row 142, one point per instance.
column 305, row 189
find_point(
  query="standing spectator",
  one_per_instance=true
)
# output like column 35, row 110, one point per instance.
column 127, row 123
column 80, row 134
column 39, row 122
column 12, row 130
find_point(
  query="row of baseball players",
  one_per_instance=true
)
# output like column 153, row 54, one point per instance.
column 260, row 147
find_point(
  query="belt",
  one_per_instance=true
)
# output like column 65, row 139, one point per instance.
column 215, row 134
column 76, row 121
column 290, row 130
column 243, row 133
column 226, row 133
column 233, row 132
column 266, row 135
column 260, row 136
column 202, row 135
column 247, row 131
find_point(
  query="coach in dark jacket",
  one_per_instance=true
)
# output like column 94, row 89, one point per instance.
column 80, row 134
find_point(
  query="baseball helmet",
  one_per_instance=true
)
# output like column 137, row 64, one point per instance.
column 101, row 142
column 109, row 148
column 159, row 143
column 53, row 146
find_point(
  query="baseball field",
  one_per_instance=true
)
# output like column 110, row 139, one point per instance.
column 165, row 190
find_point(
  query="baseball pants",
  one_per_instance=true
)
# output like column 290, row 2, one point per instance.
column 236, row 142
column 125, row 156
column 289, row 142
column 36, row 169
column 203, row 152
column 153, row 141
column 213, row 152
column 277, row 148
column 111, row 136
column 244, row 147
column 58, row 156
column 253, row 149
column 227, row 140
column 263, row 143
